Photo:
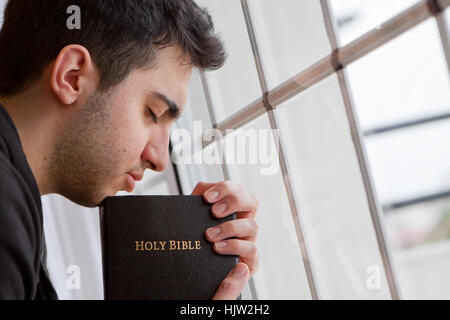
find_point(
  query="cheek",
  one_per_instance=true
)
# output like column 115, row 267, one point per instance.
column 128, row 137
column 129, row 146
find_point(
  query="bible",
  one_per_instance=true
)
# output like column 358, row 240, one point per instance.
column 154, row 247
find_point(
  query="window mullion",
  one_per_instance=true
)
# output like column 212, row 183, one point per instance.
column 289, row 186
column 221, row 146
column 357, row 137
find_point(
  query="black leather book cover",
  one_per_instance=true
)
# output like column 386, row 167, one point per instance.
column 153, row 247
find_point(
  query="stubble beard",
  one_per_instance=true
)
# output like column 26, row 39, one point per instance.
column 83, row 161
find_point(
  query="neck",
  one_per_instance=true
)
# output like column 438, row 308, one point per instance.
column 35, row 132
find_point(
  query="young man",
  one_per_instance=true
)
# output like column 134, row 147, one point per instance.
column 85, row 111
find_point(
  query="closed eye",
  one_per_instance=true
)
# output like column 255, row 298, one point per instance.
column 153, row 115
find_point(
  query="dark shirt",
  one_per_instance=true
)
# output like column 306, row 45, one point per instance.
column 23, row 274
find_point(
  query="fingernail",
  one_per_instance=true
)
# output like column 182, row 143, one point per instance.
column 220, row 208
column 212, row 232
column 221, row 244
column 239, row 271
column 212, row 195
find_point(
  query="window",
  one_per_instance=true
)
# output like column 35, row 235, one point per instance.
column 354, row 18
column 404, row 110
column 330, row 192
column 355, row 98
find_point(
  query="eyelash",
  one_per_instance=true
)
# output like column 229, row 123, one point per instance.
column 152, row 114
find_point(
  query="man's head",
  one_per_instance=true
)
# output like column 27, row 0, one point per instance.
column 102, row 84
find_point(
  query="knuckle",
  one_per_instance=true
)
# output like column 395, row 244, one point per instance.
column 254, row 268
column 254, row 225
column 226, row 183
column 227, row 228
column 253, row 251
column 231, row 226
column 234, row 199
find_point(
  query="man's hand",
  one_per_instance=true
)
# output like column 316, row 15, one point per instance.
column 230, row 197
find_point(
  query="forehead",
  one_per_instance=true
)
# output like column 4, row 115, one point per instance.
column 170, row 76
column 171, row 71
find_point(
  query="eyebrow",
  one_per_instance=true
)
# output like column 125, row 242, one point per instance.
column 174, row 110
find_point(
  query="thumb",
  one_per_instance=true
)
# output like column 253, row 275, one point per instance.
column 232, row 285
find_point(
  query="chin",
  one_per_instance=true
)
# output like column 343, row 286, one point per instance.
column 89, row 203
column 86, row 199
column 88, row 194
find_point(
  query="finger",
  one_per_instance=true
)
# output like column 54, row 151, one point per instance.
column 220, row 190
column 252, row 263
column 236, row 202
column 232, row 285
column 246, row 250
column 238, row 247
column 201, row 187
column 240, row 228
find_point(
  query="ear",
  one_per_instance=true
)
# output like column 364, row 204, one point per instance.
column 73, row 72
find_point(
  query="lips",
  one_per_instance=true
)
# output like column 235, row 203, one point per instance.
column 131, row 180
column 136, row 176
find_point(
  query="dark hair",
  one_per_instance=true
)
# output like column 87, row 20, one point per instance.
column 121, row 35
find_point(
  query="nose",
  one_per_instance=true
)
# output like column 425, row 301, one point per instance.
column 156, row 154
